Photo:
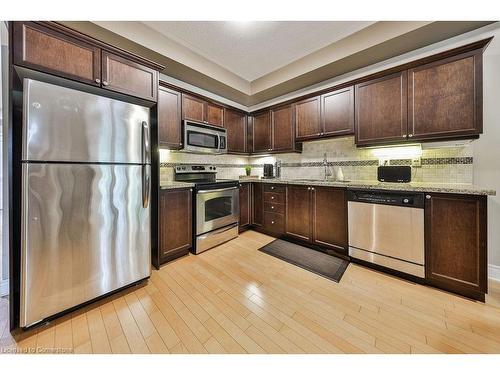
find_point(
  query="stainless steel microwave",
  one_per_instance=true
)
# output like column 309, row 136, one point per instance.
column 203, row 138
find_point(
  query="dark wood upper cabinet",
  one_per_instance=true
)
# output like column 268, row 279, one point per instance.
column 262, row 132
column 236, row 125
column 337, row 112
column 455, row 231
column 445, row 98
column 200, row 110
column 381, row 110
column 258, row 204
column 329, row 222
column 175, row 226
column 169, row 118
column 214, row 114
column 298, row 212
column 41, row 48
column 308, row 118
column 128, row 77
column 245, row 205
column 282, row 123
column 193, row 108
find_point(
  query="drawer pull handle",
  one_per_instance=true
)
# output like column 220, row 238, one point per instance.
column 272, row 222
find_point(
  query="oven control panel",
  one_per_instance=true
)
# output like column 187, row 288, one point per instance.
column 195, row 169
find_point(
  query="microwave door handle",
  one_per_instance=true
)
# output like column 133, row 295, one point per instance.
column 146, row 185
column 146, row 144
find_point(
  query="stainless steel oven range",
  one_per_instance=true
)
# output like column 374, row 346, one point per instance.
column 216, row 207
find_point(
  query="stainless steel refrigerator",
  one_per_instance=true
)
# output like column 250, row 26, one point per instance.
column 85, row 198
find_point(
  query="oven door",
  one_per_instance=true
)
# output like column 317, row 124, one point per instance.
column 203, row 139
column 216, row 208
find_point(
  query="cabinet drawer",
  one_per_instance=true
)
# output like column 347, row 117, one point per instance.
column 274, row 207
column 274, row 197
column 274, row 188
column 274, row 222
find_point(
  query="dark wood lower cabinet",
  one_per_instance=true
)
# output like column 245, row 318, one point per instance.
column 175, row 222
column 329, row 218
column 456, row 249
column 257, row 204
column 245, row 205
column 298, row 212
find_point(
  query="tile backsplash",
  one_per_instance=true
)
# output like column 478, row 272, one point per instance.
column 438, row 165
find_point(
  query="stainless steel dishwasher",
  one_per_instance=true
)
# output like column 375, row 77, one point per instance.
column 387, row 228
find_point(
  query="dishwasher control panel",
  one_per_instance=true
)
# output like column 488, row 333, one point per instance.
column 389, row 198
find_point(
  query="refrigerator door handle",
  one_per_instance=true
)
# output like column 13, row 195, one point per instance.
column 146, row 145
column 146, row 185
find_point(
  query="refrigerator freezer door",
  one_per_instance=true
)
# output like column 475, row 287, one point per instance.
column 62, row 124
column 84, row 233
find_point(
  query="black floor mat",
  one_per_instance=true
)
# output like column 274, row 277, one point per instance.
column 328, row 266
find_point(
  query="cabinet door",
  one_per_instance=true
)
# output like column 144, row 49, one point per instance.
column 127, row 77
column 41, row 48
column 329, row 220
column 258, row 204
column 298, row 212
column 169, row 118
column 282, row 128
column 337, row 112
column 445, row 98
column 245, row 204
column 193, row 108
column 215, row 114
column 175, row 222
column 262, row 132
column 236, row 125
column 307, row 118
column 381, row 109
column 455, row 231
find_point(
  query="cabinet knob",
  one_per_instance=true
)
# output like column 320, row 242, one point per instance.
column 308, row 188
column 97, row 80
column 180, row 144
column 272, row 187
column 105, row 83
column 428, row 196
column 272, row 222
column 410, row 135
column 312, row 189
column 272, row 197
column 404, row 136
column 272, row 207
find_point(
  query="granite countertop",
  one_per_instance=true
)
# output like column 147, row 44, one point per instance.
column 376, row 185
column 167, row 185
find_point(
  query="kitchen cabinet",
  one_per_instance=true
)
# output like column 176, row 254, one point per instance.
column 257, row 204
column 262, row 132
column 328, row 115
column 175, row 225
column 169, row 118
column 308, row 118
column 329, row 218
column 273, row 131
column 236, row 126
column 274, row 219
column 128, row 77
column 200, row 110
column 318, row 215
column 455, row 241
column 245, row 205
column 381, row 110
column 445, row 98
column 337, row 112
column 42, row 48
column 282, row 125
column 58, row 50
column 298, row 212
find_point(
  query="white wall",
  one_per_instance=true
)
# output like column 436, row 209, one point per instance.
column 487, row 148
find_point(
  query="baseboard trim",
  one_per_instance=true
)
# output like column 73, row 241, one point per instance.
column 494, row 272
column 4, row 288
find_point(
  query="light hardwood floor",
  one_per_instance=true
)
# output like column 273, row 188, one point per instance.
column 235, row 299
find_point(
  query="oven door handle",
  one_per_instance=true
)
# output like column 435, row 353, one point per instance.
column 217, row 190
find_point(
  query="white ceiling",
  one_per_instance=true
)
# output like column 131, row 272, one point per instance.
column 252, row 49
